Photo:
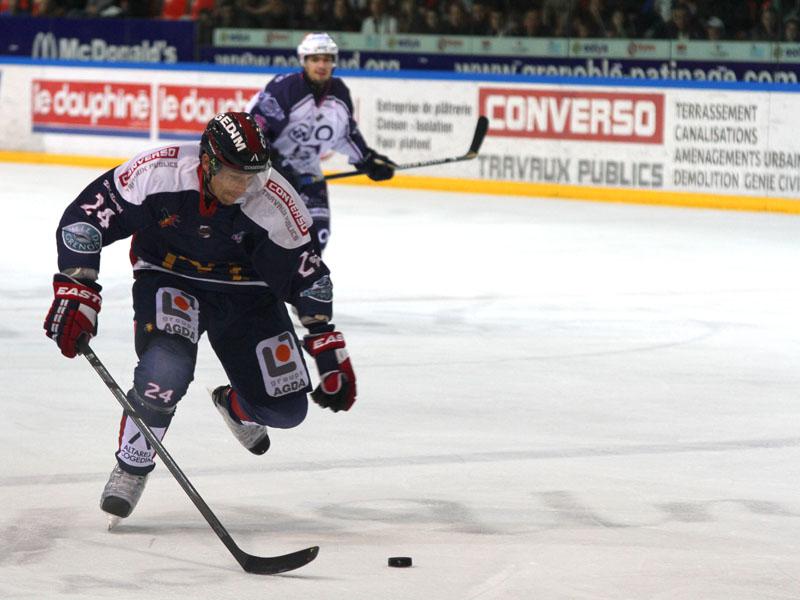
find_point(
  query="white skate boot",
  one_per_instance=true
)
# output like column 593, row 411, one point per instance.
column 121, row 494
column 251, row 435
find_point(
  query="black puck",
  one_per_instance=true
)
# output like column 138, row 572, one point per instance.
column 399, row 561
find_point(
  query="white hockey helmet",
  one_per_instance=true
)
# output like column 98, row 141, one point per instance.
column 317, row 43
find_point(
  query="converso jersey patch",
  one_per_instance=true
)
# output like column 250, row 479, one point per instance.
column 128, row 172
column 289, row 207
column 281, row 365
column 276, row 207
column 177, row 312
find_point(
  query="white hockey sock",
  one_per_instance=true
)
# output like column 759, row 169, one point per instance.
column 134, row 449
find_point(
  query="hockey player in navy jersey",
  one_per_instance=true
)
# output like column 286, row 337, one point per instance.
column 308, row 114
column 220, row 243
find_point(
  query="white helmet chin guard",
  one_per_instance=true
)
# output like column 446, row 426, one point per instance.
column 317, row 43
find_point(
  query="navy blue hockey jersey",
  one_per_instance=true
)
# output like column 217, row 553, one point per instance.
column 303, row 129
column 157, row 197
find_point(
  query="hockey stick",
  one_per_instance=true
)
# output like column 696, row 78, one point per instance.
column 263, row 565
column 475, row 146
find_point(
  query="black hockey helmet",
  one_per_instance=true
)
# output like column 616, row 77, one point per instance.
column 234, row 140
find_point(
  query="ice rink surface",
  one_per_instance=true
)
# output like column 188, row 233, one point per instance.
column 557, row 400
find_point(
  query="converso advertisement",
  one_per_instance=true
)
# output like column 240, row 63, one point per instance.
column 551, row 138
column 703, row 141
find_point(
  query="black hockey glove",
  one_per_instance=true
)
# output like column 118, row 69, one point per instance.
column 73, row 313
column 377, row 166
column 337, row 381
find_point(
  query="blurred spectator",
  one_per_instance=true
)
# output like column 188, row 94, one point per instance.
column 758, row 20
column 579, row 26
column 791, row 28
column 596, row 18
column 497, row 23
column 557, row 13
column 662, row 8
column 145, row 9
column 736, row 15
column 715, row 29
column 561, row 25
column 225, row 15
column 379, row 20
column 312, row 17
column 263, row 14
column 409, row 17
column 47, row 8
column 431, row 24
column 651, row 17
column 174, row 9
column 200, row 7
column 682, row 26
column 455, row 22
column 531, row 25
column 619, row 26
column 694, row 8
column 479, row 18
column 343, row 18
column 278, row 15
column 205, row 25
column 249, row 12
column 96, row 8
column 14, row 7
column 768, row 28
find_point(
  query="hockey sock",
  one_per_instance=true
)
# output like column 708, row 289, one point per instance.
column 235, row 408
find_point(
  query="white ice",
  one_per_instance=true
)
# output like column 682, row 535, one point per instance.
column 557, row 400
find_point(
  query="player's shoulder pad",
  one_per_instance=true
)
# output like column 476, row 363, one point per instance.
column 294, row 91
column 339, row 90
column 277, row 208
column 286, row 87
column 166, row 169
column 281, row 79
column 267, row 104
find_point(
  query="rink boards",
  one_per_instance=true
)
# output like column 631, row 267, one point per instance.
column 711, row 144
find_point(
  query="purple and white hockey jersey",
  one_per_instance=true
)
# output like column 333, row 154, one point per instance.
column 158, row 197
column 302, row 127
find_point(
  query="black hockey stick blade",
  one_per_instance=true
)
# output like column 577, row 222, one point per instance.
column 272, row 565
column 477, row 139
column 264, row 565
column 480, row 132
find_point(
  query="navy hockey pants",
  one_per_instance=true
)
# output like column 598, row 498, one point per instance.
column 250, row 332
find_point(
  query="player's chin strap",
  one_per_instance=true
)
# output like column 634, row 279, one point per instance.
column 265, row 565
column 477, row 139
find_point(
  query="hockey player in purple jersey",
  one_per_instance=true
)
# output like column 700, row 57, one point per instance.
column 220, row 243
column 308, row 114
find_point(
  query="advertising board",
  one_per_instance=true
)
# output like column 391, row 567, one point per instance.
column 713, row 142
column 98, row 40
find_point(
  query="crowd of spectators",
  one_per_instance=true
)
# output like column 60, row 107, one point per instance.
column 757, row 20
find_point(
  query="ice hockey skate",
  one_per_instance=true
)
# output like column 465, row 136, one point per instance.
column 121, row 494
column 251, row 435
